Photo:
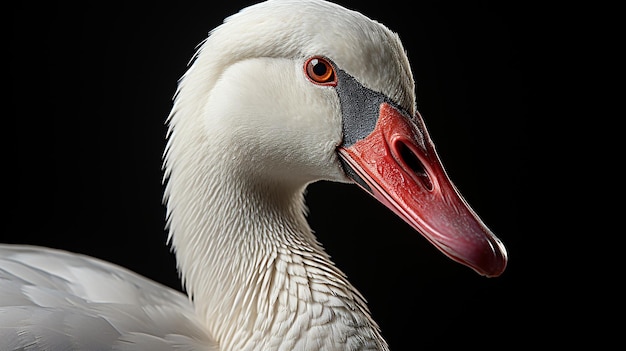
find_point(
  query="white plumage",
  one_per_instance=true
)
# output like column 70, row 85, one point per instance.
column 55, row 300
column 248, row 132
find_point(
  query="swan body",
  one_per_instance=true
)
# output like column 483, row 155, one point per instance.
column 56, row 300
column 282, row 94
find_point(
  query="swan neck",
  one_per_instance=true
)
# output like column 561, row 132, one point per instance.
column 255, row 271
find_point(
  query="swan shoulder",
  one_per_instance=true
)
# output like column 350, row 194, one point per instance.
column 53, row 299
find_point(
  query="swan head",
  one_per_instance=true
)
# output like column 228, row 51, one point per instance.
column 290, row 92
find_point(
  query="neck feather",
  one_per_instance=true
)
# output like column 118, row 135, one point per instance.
column 252, row 266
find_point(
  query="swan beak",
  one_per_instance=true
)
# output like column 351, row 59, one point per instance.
column 398, row 165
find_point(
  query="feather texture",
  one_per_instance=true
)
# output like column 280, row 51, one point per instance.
column 55, row 300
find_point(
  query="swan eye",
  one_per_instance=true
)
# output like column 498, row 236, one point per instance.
column 320, row 71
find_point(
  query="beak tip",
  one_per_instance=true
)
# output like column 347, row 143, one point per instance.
column 497, row 260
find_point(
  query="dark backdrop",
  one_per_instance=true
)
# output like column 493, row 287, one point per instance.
column 92, row 86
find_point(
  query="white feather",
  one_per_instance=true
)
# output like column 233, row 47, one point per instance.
column 53, row 300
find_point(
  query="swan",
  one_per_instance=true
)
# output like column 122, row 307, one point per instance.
column 282, row 94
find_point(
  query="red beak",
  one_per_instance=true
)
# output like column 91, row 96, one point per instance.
column 397, row 164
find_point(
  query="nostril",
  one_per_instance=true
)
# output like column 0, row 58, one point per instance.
column 414, row 165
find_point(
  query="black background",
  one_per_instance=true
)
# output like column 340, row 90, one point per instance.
column 92, row 86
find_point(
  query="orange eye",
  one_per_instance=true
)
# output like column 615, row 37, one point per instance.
column 320, row 71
